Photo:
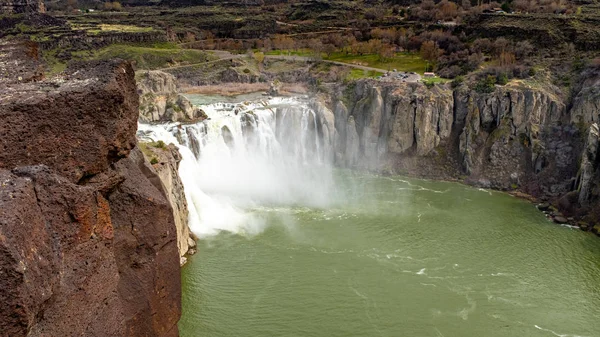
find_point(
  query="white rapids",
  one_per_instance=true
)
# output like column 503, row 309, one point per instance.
column 245, row 155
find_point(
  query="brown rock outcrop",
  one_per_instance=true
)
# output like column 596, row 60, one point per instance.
column 165, row 161
column 77, row 124
column 88, row 243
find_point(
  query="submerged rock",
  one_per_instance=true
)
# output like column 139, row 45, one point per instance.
column 228, row 137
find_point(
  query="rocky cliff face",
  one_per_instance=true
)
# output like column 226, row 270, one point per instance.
column 160, row 101
column 22, row 6
column 164, row 160
column 88, row 244
column 515, row 138
column 377, row 122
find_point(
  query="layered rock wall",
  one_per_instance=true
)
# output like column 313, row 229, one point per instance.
column 160, row 101
column 22, row 6
column 377, row 122
column 516, row 138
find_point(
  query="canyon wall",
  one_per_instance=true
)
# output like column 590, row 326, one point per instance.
column 88, row 242
column 22, row 6
column 161, row 102
column 164, row 161
column 518, row 137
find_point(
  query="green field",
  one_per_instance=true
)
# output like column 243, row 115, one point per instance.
column 152, row 57
column 407, row 62
column 299, row 52
column 91, row 28
column 356, row 74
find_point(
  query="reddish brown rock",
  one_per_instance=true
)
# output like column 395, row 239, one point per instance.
column 87, row 237
column 78, row 123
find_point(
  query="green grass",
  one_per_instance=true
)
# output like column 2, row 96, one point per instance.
column 53, row 64
column 435, row 80
column 407, row 62
column 109, row 28
column 152, row 57
column 299, row 52
column 356, row 74
column 401, row 61
column 124, row 28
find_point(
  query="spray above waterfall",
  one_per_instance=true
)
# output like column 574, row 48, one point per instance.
column 267, row 152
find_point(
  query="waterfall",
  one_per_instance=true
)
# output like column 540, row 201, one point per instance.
column 249, row 155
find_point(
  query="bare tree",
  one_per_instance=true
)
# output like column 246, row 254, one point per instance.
column 430, row 51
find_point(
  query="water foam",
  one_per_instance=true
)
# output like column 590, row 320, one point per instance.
column 247, row 155
column 555, row 333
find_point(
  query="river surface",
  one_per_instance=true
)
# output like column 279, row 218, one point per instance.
column 290, row 246
column 399, row 257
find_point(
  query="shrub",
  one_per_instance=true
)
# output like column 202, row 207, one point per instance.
column 519, row 71
column 451, row 72
column 457, row 82
column 502, row 79
column 153, row 161
column 486, row 84
column 159, row 145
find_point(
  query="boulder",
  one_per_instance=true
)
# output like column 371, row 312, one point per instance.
column 543, row 207
column 560, row 219
column 583, row 225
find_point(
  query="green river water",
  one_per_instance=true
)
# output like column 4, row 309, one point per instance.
column 397, row 257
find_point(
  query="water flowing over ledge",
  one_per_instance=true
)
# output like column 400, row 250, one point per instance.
column 262, row 152
column 375, row 248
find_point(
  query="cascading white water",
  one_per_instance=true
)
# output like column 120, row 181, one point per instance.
column 245, row 155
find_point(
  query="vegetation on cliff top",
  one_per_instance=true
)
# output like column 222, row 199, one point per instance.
column 155, row 56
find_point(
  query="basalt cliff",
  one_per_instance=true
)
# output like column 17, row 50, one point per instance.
column 160, row 100
column 535, row 140
column 88, row 242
